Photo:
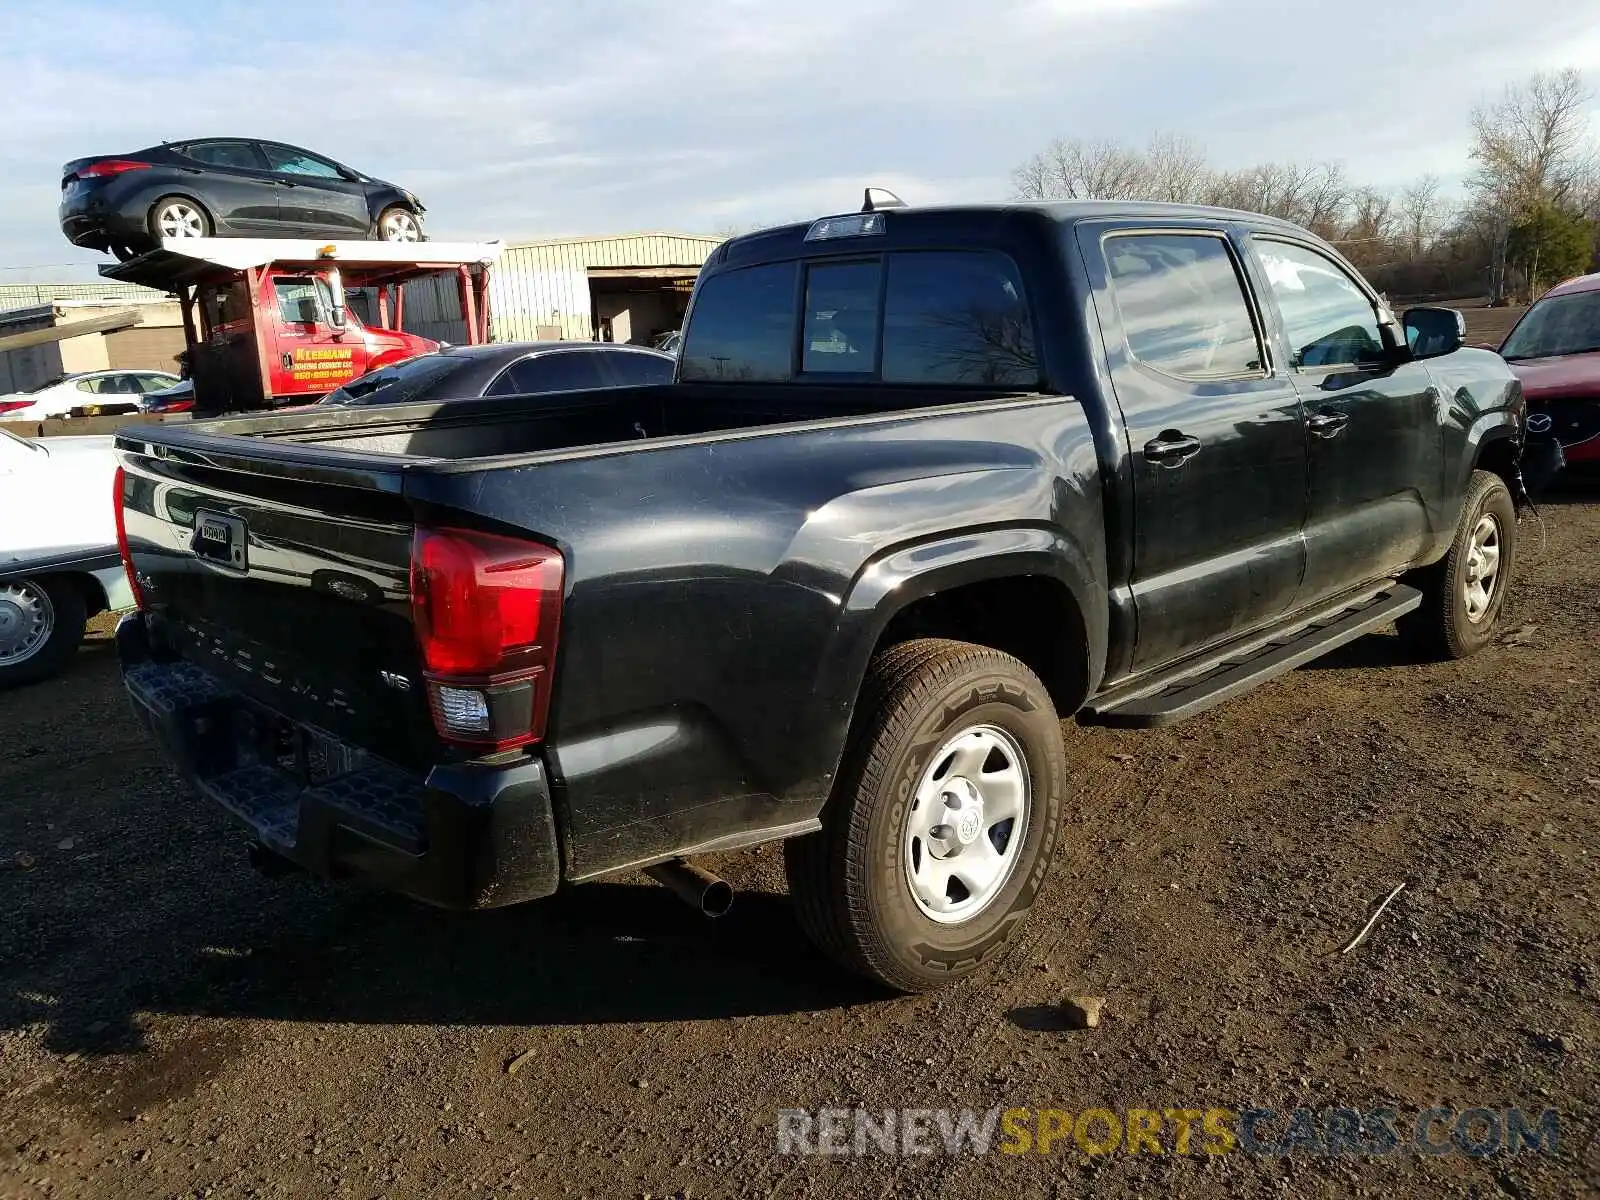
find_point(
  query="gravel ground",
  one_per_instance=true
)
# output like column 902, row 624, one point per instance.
column 172, row 1024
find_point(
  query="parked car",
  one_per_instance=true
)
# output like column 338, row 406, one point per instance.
column 59, row 564
column 227, row 187
column 926, row 482
column 104, row 391
column 1555, row 352
column 507, row 369
column 175, row 399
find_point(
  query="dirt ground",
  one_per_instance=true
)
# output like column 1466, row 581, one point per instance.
column 172, row 1024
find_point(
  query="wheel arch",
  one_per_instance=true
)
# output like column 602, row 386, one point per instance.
column 1026, row 591
column 176, row 193
column 1499, row 451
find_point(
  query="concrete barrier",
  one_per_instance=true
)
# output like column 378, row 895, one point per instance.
column 87, row 426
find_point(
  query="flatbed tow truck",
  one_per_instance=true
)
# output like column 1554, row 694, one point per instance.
column 266, row 320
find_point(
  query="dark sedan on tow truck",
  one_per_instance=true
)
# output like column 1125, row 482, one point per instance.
column 227, row 187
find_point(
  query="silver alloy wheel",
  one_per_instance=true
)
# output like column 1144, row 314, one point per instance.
column 967, row 824
column 400, row 226
column 180, row 219
column 1483, row 566
column 27, row 618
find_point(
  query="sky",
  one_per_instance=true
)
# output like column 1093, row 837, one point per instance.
column 539, row 119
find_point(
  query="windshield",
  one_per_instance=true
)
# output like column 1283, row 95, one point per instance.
column 400, row 383
column 1559, row 325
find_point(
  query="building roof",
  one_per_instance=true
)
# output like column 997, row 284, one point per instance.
column 31, row 295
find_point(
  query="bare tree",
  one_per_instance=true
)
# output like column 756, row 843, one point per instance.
column 1422, row 217
column 1532, row 145
column 1176, row 169
column 1080, row 169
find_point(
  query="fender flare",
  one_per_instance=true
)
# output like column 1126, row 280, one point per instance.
column 896, row 578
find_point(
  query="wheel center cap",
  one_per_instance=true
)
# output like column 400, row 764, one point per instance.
column 963, row 810
column 10, row 619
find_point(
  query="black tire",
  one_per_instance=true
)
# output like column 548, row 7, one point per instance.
column 395, row 210
column 207, row 225
column 1444, row 627
column 68, row 613
column 850, row 881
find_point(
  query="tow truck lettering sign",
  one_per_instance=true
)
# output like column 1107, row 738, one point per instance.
column 314, row 364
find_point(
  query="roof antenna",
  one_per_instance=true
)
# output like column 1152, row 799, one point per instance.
column 877, row 199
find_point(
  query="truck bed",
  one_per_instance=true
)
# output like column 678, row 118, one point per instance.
column 536, row 425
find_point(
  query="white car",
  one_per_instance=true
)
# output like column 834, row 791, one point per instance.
column 124, row 390
column 59, row 563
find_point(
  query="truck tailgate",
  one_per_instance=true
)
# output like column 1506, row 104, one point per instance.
column 292, row 591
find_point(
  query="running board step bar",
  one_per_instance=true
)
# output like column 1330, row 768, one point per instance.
column 1150, row 703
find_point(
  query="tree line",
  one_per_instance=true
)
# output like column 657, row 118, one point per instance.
column 1529, row 217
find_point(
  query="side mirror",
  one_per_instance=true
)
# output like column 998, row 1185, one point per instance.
column 336, row 317
column 1433, row 332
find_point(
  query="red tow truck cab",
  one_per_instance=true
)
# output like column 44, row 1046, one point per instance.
column 266, row 320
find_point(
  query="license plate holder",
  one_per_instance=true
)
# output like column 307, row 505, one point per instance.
column 220, row 539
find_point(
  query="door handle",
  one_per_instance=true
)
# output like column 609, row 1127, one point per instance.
column 284, row 183
column 1329, row 423
column 1172, row 448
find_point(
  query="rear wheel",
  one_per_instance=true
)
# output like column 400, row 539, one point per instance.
column 943, row 821
column 1462, row 596
column 398, row 224
column 179, row 217
column 41, row 625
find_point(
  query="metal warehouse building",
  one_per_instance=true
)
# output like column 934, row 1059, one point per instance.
column 623, row 289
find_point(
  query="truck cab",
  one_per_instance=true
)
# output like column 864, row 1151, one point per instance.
column 305, row 346
column 267, row 321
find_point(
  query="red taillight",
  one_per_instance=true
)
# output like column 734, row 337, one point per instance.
column 13, row 405
column 119, row 501
column 111, row 166
column 486, row 610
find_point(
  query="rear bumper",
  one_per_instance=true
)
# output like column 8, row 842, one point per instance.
column 93, row 220
column 466, row 836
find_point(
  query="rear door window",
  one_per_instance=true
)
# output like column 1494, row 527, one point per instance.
column 637, row 370
column 743, row 326
column 1183, row 305
column 559, row 371
column 240, row 155
column 957, row 317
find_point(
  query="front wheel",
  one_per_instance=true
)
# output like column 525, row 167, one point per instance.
column 943, row 820
column 399, row 225
column 41, row 626
column 1462, row 596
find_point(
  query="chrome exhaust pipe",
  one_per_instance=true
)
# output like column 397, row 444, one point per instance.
column 694, row 885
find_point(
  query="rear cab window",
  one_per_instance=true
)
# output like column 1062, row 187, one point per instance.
column 957, row 318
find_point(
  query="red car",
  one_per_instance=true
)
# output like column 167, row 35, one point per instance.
column 1555, row 351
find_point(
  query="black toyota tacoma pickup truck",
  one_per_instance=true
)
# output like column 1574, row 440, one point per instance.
column 928, row 481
